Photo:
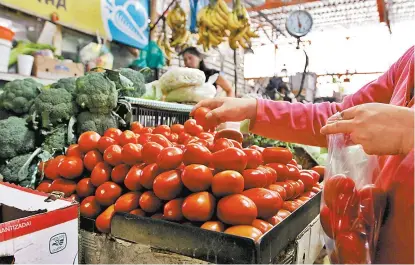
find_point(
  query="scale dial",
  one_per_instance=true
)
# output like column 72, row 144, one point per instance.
column 299, row 23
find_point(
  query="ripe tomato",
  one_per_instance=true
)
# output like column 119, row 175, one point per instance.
column 150, row 152
column 274, row 220
column 113, row 133
column 196, row 154
column 289, row 189
column 205, row 136
column 149, row 202
column 88, row 141
column 132, row 180
column 351, row 248
column 136, row 127
column 298, row 188
column 254, row 178
column 293, row 172
column 91, row 159
column 282, row 171
column 333, row 224
column 105, row 142
column 302, row 187
column 255, row 147
column 44, row 186
column 237, row 209
column 290, row 206
column 277, row 188
column 293, row 162
column 74, row 150
column 227, row 182
column 262, row 225
column 221, row 144
column 271, row 174
column 320, row 170
column 163, row 130
column 177, row 128
column 149, row 174
column 103, row 221
column 340, row 195
column 203, row 142
column 315, row 189
column 66, row 186
column 283, row 213
column 192, row 128
column 145, row 138
column 372, row 203
column 199, row 207
column 304, row 199
column 173, row 138
column 52, row 167
column 84, row 188
column 112, row 155
column 254, row 158
column 146, row 130
column 213, row 226
column 309, row 194
column 127, row 202
column 197, row 177
column 107, row 193
column 183, row 137
column 200, row 117
column 173, row 210
column 244, row 231
column 236, row 144
column 168, row 185
column 161, row 140
column 127, row 137
column 138, row 212
column 89, row 207
column 100, row 174
column 268, row 202
column 170, row 158
column 71, row 167
column 119, row 173
column 314, row 174
column 277, row 155
column 230, row 134
column 131, row 154
column 230, row 159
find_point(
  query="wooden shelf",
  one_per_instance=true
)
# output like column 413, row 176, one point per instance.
column 11, row 77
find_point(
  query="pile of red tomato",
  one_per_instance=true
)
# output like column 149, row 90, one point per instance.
column 184, row 173
column 352, row 218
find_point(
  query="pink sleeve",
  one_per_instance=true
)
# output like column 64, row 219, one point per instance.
column 301, row 123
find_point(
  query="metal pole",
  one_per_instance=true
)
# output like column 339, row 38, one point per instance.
column 235, row 72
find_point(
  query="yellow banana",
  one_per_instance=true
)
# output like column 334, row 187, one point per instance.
column 223, row 6
column 233, row 44
column 240, row 34
column 252, row 34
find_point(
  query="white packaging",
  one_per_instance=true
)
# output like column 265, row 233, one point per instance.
column 5, row 48
column 25, row 64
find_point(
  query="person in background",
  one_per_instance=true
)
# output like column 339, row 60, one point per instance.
column 380, row 117
column 194, row 59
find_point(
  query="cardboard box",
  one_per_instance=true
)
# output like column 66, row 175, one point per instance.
column 51, row 68
column 36, row 229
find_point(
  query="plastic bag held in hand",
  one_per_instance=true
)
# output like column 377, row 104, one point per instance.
column 353, row 204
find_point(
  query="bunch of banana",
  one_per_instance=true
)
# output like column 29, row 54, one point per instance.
column 240, row 27
column 163, row 43
column 177, row 21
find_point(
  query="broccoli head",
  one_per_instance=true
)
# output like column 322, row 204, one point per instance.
column 15, row 138
column 11, row 169
column 18, row 95
column 96, row 93
column 57, row 140
column 69, row 84
column 138, row 83
column 54, row 106
column 88, row 121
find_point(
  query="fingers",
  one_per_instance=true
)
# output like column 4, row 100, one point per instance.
column 349, row 114
column 342, row 126
column 215, row 117
column 208, row 103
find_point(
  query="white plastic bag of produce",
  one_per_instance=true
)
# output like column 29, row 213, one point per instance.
column 153, row 91
column 192, row 94
column 180, row 77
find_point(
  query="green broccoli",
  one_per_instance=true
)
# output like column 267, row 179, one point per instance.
column 18, row 95
column 57, row 140
column 96, row 93
column 15, row 138
column 54, row 106
column 69, row 84
column 19, row 168
column 138, row 83
column 87, row 121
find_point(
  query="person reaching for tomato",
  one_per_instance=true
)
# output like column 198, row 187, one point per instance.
column 380, row 117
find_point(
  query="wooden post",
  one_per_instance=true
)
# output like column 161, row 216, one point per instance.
column 153, row 16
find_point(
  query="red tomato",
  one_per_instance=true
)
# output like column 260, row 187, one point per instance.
column 177, row 128
column 254, row 178
column 236, row 144
column 272, row 175
column 221, row 144
column 91, row 159
column 291, row 206
column 199, row 207
column 170, row 158
column 309, row 194
column 103, row 222
column 89, row 207
column 244, row 231
column 132, row 180
column 163, row 130
column 293, row 162
column 52, row 167
column 127, row 137
column 283, row 213
column 119, row 173
column 227, row 182
column 230, row 134
column 254, row 158
column 74, row 150
column 173, row 210
column 84, row 188
column 304, row 199
column 127, row 202
column 302, row 187
column 107, row 193
column 320, row 170
column 298, row 188
column 161, row 140
column 71, row 167
column 230, row 159
column 173, row 137
column 113, row 155
column 100, row 174
column 268, row 202
column 197, row 177
column 290, row 190
column 282, row 171
column 149, row 202
column 275, row 219
column 236, row 209
column 333, row 224
column 132, row 154
column 146, row 130
column 201, row 142
column 197, row 154
column 262, row 225
column 150, row 152
column 105, row 142
column 280, row 189
column 315, row 190
column 314, row 174
column 88, row 141
column 277, row 155
column 136, row 127
column 183, row 137
column 340, row 195
column 149, row 174
column 145, row 138
column 168, row 185
column 138, row 212
column 44, row 186
column 352, row 249
column 255, row 147
column 113, row 133
column 293, row 172
column 200, row 117
column 66, row 186
column 213, row 226
column 372, row 203
column 205, row 136
column 191, row 127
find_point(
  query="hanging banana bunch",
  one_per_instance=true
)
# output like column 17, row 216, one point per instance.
column 240, row 27
column 177, row 21
column 164, row 44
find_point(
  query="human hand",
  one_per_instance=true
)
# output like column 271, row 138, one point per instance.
column 381, row 129
column 228, row 109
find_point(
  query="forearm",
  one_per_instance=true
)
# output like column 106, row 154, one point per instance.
column 408, row 130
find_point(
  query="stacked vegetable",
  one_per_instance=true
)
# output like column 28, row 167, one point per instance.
column 183, row 173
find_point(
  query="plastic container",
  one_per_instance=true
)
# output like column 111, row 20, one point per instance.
column 5, row 48
column 25, row 64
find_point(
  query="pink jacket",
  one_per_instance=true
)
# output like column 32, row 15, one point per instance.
column 301, row 123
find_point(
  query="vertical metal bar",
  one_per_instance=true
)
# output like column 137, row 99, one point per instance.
column 236, row 73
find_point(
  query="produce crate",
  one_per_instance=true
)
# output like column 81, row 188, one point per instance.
column 151, row 113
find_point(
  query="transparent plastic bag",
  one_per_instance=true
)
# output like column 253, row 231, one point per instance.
column 353, row 203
